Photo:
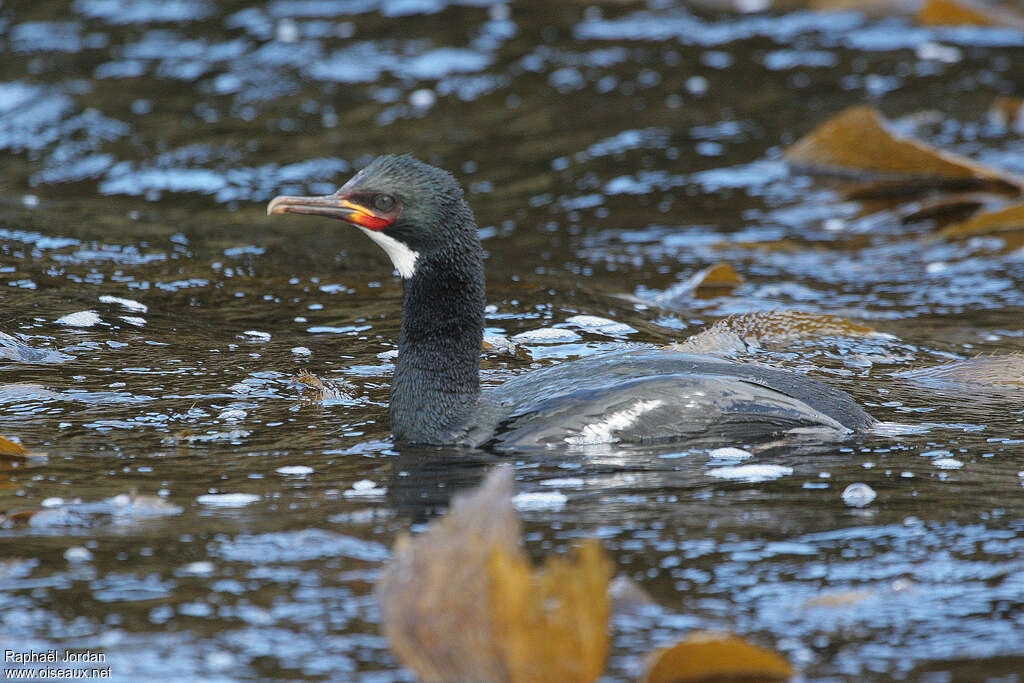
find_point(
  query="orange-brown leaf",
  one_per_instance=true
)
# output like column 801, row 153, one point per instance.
column 461, row 602
column 435, row 592
column 8, row 447
column 966, row 12
column 706, row 656
column 717, row 277
column 552, row 623
column 857, row 142
column 713, row 281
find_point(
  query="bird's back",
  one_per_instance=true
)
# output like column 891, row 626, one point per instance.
column 662, row 396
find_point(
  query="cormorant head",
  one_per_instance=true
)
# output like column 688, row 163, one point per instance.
column 407, row 207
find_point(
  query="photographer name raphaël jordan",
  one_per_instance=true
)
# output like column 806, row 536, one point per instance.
column 52, row 656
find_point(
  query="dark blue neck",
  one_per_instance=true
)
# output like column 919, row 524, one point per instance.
column 437, row 375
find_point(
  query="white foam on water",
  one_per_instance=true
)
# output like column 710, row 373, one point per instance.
column 294, row 470
column 228, row 500
column 129, row 304
column 79, row 319
column 541, row 500
column 751, row 473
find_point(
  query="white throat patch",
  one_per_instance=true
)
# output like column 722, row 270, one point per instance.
column 402, row 256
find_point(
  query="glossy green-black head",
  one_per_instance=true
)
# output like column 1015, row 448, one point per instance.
column 409, row 208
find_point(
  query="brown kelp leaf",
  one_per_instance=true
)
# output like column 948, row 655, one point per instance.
column 8, row 447
column 711, row 282
column 742, row 331
column 707, row 656
column 315, row 390
column 13, row 455
column 967, row 12
column 552, row 623
column 435, row 594
column 715, row 280
column 857, row 143
column 1006, row 371
column 1008, row 219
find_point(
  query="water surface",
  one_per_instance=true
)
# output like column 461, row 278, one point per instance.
column 609, row 151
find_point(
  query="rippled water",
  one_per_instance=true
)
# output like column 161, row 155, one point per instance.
column 610, row 151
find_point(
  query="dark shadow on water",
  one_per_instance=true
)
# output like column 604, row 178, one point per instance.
column 424, row 479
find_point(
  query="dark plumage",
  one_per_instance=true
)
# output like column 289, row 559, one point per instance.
column 417, row 213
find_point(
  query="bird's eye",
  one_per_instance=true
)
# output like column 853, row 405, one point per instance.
column 383, row 202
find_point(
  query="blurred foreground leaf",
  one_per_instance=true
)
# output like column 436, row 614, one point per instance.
column 461, row 602
column 435, row 592
column 709, row 656
column 552, row 623
column 969, row 13
column 742, row 331
column 858, row 143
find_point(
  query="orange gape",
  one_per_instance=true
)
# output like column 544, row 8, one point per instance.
column 365, row 217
